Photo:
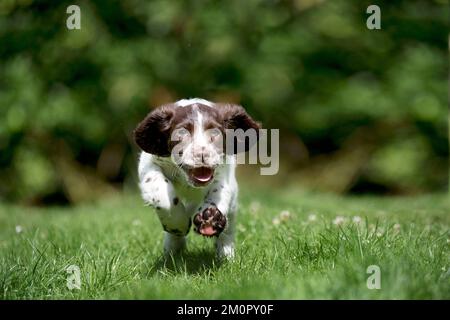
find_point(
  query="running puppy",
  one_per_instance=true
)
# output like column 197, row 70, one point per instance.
column 187, row 169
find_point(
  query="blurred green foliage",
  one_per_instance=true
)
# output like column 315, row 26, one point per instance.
column 364, row 109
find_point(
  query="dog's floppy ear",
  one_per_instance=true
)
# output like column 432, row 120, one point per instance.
column 153, row 133
column 235, row 117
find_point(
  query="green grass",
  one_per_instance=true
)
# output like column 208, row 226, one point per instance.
column 117, row 245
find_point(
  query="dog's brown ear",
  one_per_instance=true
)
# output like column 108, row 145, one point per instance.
column 235, row 117
column 153, row 133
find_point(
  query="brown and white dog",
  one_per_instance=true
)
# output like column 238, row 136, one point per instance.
column 186, row 169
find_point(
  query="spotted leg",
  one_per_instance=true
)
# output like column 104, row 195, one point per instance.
column 215, row 217
column 158, row 192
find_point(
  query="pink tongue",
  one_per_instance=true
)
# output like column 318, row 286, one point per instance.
column 202, row 174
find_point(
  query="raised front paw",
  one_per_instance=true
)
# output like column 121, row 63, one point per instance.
column 211, row 222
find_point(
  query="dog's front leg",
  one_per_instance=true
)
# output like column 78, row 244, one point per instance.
column 216, row 217
column 158, row 192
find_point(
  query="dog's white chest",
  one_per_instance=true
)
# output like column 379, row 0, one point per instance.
column 189, row 195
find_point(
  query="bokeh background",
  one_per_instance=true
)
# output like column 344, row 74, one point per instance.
column 359, row 111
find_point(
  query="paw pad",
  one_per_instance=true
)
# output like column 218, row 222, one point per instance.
column 211, row 222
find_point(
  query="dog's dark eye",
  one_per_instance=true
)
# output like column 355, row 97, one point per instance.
column 214, row 132
column 182, row 132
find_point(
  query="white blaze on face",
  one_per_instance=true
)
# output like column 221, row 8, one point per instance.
column 199, row 139
column 199, row 132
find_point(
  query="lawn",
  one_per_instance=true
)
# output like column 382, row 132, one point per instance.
column 290, row 245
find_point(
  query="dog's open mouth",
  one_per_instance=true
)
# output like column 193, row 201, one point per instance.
column 201, row 175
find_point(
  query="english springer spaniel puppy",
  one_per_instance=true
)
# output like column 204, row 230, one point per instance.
column 187, row 172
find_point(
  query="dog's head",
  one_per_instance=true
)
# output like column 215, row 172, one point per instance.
column 194, row 134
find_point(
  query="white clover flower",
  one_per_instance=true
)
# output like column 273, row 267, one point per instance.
column 285, row 215
column 276, row 221
column 396, row 228
column 357, row 219
column 19, row 229
column 339, row 220
column 312, row 217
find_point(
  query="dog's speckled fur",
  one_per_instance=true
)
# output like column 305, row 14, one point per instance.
column 166, row 184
